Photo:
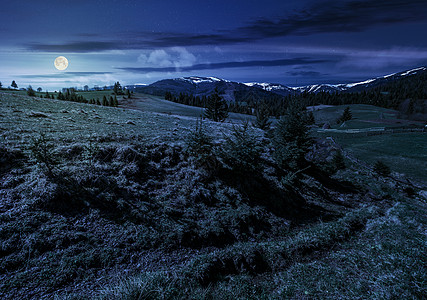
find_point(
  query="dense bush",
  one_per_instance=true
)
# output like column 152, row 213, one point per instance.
column 241, row 151
column 381, row 168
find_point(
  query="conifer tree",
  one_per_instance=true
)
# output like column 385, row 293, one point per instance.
column 14, row 85
column 291, row 140
column 346, row 116
column 116, row 103
column 30, row 91
column 104, row 101
column 216, row 108
column 262, row 118
column 117, row 88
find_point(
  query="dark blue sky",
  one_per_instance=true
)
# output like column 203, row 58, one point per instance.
column 289, row 42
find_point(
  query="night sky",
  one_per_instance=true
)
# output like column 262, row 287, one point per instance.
column 293, row 42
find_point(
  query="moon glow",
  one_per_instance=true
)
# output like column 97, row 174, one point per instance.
column 61, row 63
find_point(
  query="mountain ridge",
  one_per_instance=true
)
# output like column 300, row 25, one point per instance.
column 204, row 86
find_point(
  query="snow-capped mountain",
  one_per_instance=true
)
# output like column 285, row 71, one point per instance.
column 203, row 86
column 271, row 87
column 358, row 86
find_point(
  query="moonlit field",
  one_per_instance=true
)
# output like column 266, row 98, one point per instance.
column 213, row 150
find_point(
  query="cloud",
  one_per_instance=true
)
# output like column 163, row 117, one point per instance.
column 305, row 73
column 319, row 17
column 74, row 47
column 228, row 65
column 339, row 16
column 176, row 57
column 63, row 75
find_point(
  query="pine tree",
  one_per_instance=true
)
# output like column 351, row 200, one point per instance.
column 128, row 94
column 346, row 116
column 98, row 102
column 338, row 162
column 30, row 91
column 262, row 118
column 14, row 85
column 117, row 88
column 111, row 102
column 291, row 140
column 310, row 118
column 1, row 85
column 104, row 101
column 116, row 103
column 216, row 108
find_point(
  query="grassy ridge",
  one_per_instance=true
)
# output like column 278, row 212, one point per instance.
column 126, row 212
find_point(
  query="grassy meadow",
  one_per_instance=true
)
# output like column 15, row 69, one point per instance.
column 123, row 203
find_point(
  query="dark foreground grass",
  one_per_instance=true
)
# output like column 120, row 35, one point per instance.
column 363, row 255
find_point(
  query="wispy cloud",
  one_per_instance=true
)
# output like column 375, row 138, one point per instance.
column 321, row 17
column 305, row 73
column 227, row 65
column 74, row 47
column 63, row 75
column 339, row 16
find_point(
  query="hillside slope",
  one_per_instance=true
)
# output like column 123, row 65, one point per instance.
column 120, row 204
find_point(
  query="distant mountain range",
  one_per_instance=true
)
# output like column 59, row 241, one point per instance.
column 203, row 86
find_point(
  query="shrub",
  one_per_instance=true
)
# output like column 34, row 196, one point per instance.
column 42, row 151
column 30, row 91
column 381, row 168
column 242, row 151
column 338, row 162
column 199, row 143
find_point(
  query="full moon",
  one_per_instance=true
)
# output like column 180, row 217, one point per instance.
column 61, row 63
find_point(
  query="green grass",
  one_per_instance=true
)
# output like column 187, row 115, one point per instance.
column 403, row 152
column 364, row 116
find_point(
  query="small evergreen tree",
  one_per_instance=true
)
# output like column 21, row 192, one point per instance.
column 111, row 102
column 30, row 91
column 14, row 85
column 310, row 118
column 262, row 118
column 346, row 116
column 338, row 162
column 117, row 88
column 98, row 102
column 381, row 168
column 291, row 140
column 116, row 103
column 39, row 89
column 104, row 101
column 216, row 108
column 1, row 85
column 242, row 151
column 128, row 94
